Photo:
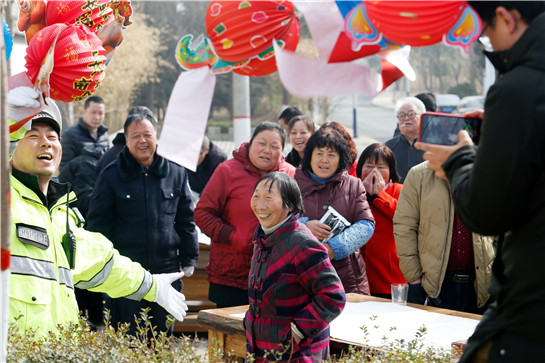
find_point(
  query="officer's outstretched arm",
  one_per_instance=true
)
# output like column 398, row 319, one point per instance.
column 99, row 267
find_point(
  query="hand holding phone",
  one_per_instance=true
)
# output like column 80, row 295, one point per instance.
column 442, row 129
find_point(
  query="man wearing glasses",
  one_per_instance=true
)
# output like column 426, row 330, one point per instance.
column 407, row 111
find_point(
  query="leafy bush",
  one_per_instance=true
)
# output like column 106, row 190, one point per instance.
column 77, row 343
column 397, row 351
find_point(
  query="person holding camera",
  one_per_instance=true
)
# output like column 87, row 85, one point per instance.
column 499, row 188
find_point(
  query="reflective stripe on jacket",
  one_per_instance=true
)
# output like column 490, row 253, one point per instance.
column 42, row 284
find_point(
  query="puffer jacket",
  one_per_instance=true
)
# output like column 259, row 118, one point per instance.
column 347, row 195
column 500, row 189
column 147, row 214
column 291, row 280
column 423, row 234
column 78, row 138
column 224, row 214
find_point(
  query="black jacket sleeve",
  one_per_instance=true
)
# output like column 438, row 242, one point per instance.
column 492, row 186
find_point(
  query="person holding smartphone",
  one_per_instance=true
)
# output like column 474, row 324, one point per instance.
column 499, row 188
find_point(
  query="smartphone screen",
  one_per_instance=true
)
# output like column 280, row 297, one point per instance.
column 442, row 129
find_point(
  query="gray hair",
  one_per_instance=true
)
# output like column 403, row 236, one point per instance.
column 411, row 100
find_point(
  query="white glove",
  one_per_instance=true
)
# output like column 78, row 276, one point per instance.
column 23, row 97
column 168, row 297
column 188, row 271
column 22, row 103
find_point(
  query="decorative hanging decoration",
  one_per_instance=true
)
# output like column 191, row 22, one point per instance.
column 8, row 39
column 416, row 23
column 240, row 37
column 66, row 62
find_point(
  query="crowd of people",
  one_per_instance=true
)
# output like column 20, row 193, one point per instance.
column 290, row 236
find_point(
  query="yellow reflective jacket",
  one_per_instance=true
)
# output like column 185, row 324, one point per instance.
column 42, row 284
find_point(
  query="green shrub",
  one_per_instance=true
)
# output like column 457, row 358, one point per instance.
column 77, row 343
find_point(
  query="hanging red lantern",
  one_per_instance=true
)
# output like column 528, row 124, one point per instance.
column 416, row 23
column 92, row 13
column 240, row 30
column 67, row 61
column 266, row 63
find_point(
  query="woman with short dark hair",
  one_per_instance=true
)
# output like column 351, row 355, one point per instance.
column 293, row 289
column 224, row 214
column 349, row 141
column 325, row 183
column 377, row 169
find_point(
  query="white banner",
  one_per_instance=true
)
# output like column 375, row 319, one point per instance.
column 186, row 117
column 304, row 77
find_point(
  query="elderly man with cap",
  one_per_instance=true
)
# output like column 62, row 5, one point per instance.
column 50, row 252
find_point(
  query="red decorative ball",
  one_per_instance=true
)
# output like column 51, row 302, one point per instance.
column 78, row 61
column 416, row 23
column 240, row 30
column 92, row 13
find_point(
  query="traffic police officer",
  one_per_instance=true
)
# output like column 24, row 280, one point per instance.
column 50, row 251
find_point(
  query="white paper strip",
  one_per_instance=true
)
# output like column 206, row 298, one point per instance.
column 186, row 117
column 325, row 23
column 304, row 77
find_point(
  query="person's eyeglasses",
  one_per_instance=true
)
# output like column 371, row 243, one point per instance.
column 402, row 115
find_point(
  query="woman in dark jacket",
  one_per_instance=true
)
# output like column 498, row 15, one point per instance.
column 224, row 214
column 324, row 182
column 293, row 289
column 142, row 203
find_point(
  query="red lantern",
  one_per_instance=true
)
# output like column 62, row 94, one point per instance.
column 76, row 56
column 92, row 13
column 415, row 23
column 240, row 30
column 261, row 66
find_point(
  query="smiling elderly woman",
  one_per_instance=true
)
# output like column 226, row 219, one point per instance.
column 293, row 289
column 223, row 212
column 324, row 182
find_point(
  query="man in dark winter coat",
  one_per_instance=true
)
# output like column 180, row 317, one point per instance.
column 499, row 188
column 89, row 134
column 209, row 159
column 142, row 203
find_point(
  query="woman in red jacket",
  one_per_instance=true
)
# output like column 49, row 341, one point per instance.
column 224, row 214
column 377, row 169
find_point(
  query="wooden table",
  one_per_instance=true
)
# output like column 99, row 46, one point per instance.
column 226, row 332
